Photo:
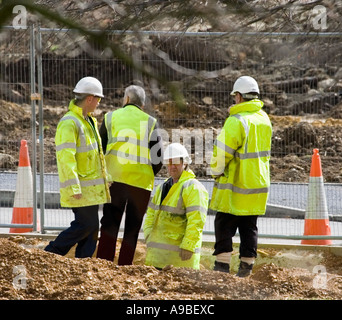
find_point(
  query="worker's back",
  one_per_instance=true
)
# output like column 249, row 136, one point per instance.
column 128, row 157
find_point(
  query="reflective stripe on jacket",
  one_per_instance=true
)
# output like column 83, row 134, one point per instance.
column 240, row 161
column 80, row 160
column 176, row 223
column 128, row 157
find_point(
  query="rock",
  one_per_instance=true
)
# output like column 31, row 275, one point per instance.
column 7, row 161
column 325, row 84
column 208, row 100
column 338, row 74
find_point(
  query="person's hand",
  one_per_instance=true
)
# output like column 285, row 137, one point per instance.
column 77, row 196
column 185, row 254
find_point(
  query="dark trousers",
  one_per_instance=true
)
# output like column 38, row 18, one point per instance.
column 225, row 228
column 83, row 231
column 135, row 201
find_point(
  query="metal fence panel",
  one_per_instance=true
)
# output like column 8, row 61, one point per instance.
column 15, row 57
column 294, row 83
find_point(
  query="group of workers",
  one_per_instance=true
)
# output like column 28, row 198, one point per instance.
column 116, row 166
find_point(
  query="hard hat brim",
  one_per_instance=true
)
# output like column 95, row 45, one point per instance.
column 185, row 160
column 91, row 94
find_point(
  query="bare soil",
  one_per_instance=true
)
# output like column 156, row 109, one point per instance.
column 49, row 276
column 278, row 275
column 294, row 139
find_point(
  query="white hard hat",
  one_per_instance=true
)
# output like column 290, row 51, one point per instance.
column 244, row 85
column 176, row 150
column 89, row 85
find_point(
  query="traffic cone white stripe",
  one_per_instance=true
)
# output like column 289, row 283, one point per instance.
column 23, row 195
column 23, row 199
column 316, row 214
column 316, row 207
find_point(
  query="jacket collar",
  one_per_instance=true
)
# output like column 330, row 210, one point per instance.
column 187, row 174
column 76, row 109
column 131, row 105
column 248, row 106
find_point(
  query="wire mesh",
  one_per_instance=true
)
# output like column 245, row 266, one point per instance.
column 300, row 87
column 15, row 122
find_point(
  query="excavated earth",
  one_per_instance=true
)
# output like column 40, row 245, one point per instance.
column 294, row 138
column 28, row 272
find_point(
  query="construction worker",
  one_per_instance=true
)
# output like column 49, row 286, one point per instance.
column 240, row 166
column 176, row 215
column 81, row 168
column 134, row 150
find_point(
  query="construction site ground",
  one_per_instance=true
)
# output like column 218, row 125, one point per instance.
column 280, row 273
column 308, row 115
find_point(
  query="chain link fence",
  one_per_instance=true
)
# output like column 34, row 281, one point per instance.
column 299, row 77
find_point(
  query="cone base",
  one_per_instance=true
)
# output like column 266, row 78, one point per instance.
column 317, row 227
column 20, row 230
column 22, row 216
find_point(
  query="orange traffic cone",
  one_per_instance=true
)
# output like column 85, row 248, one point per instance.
column 23, row 198
column 316, row 214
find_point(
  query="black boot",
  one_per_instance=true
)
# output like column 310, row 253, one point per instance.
column 245, row 269
column 221, row 266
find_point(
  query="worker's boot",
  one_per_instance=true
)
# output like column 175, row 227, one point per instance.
column 221, row 266
column 245, row 269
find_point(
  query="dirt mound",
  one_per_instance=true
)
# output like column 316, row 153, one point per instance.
column 28, row 272
column 294, row 138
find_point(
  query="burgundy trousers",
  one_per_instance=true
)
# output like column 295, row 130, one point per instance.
column 133, row 201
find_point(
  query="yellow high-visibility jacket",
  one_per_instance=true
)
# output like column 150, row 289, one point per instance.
column 240, row 161
column 80, row 160
column 128, row 156
column 176, row 223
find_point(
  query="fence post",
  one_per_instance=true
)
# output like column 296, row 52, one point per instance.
column 41, row 129
column 33, row 121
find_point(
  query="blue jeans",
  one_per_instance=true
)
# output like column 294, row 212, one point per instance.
column 83, row 231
